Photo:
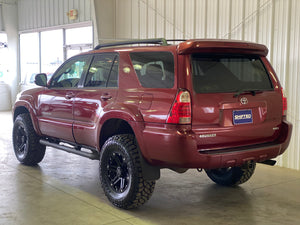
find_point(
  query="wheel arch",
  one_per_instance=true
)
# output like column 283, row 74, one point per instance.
column 117, row 126
column 22, row 109
column 114, row 126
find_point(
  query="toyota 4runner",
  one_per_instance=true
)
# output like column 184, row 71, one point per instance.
column 215, row 105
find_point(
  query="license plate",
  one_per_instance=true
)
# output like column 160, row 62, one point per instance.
column 242, row 116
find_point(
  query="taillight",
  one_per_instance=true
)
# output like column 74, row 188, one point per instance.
column 181, row 109
column 284, row 103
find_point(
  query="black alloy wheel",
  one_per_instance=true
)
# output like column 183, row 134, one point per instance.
column 26, row 144
column 117, row 172
column 121, row 173
column 21, row 141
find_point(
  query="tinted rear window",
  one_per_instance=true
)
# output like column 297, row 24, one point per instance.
column 154, row 69
column 227, row 73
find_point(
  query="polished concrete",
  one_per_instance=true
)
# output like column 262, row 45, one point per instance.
column 64, row 189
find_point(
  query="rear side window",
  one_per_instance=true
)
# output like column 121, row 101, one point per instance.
column 103, row 71
column 227, row 73
column 154, row 69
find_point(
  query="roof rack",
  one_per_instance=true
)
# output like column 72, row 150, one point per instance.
column 160, row 41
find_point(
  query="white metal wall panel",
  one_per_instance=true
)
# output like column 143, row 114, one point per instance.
column 135, row 19
column 143, row 19
column 212, row 18
column 274, row 23
column 237, row 19
column 160, row 18
column 36, row 14
column 250, row 19
column 265, row 24
column 200, row 19
column 189, row 12
column 170, row 21
column 179, row 21
column 121, row 14
column 152, row 22
column 224, row 19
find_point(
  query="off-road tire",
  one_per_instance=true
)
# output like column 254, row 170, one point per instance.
column 26, row 144
column 121, row 173
column 232, row 176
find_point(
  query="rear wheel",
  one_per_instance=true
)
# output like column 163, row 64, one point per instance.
column 26, row 144
column 121, row 173
column 232, row 176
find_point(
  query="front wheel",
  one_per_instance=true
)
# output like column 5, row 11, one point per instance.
column 232, row 176
column 121, row 173
column 26, row 144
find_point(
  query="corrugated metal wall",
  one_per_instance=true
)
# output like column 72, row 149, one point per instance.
column 274, row 23
column 37, row 14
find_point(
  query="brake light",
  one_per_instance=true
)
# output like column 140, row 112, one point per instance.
column 284, row 103
column 181, row 109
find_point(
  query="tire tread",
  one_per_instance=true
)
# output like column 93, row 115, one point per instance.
column 35, row 152
column 142, row 189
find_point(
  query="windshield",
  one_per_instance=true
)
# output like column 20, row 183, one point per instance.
column 228, row 73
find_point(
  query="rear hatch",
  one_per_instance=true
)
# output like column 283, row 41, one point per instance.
column 235, row 101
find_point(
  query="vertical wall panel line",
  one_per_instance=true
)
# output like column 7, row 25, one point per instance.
column 139, row 19
column 131, row 27
column 165, row 18
column 206, row 8
column 147, row 19
column 230, row 18
column 195, row 20
column 287, row 53
column 287, row 72
column 174, row 20
column 184, row 20
column 257, row 20
column 244, row 19
column 272, row 30
column 155, row 19
column 218, row 18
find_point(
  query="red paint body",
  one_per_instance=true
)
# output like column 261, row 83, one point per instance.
column 211, row 140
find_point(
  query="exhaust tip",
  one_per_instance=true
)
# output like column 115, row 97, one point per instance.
column 269, row 162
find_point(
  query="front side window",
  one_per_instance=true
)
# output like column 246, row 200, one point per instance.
column 154, row 69
column 103, row 71
column 69, row 74
column 228, row 73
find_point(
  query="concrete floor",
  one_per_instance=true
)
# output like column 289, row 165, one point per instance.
column 64, row 189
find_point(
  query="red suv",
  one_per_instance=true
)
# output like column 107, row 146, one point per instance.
column 209, row 104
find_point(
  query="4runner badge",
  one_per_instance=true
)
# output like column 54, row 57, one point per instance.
column 207, row 135
column 244, row 100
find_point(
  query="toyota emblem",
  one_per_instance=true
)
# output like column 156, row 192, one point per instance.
column 244, row 100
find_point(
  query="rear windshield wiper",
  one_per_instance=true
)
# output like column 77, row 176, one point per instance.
column 244, row 91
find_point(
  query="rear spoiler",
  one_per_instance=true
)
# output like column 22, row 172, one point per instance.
column 221, row 46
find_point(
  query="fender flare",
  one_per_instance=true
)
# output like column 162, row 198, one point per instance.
column 27, row 104
column 134, row 118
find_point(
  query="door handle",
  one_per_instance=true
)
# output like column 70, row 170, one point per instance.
column 69, row 95
column 106, row 97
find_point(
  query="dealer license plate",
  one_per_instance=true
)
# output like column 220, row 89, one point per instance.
column 242, row 116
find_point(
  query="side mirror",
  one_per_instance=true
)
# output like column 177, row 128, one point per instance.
column 41, row 79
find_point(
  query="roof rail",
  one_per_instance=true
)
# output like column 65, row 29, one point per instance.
column 160, row 41
column 176, row 39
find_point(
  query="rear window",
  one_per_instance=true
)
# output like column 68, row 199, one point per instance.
column 227, row 73
column 154, row 69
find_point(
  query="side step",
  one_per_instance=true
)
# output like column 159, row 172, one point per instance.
column 92, row 155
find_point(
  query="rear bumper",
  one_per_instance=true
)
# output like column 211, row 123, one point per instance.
column 173, row 148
